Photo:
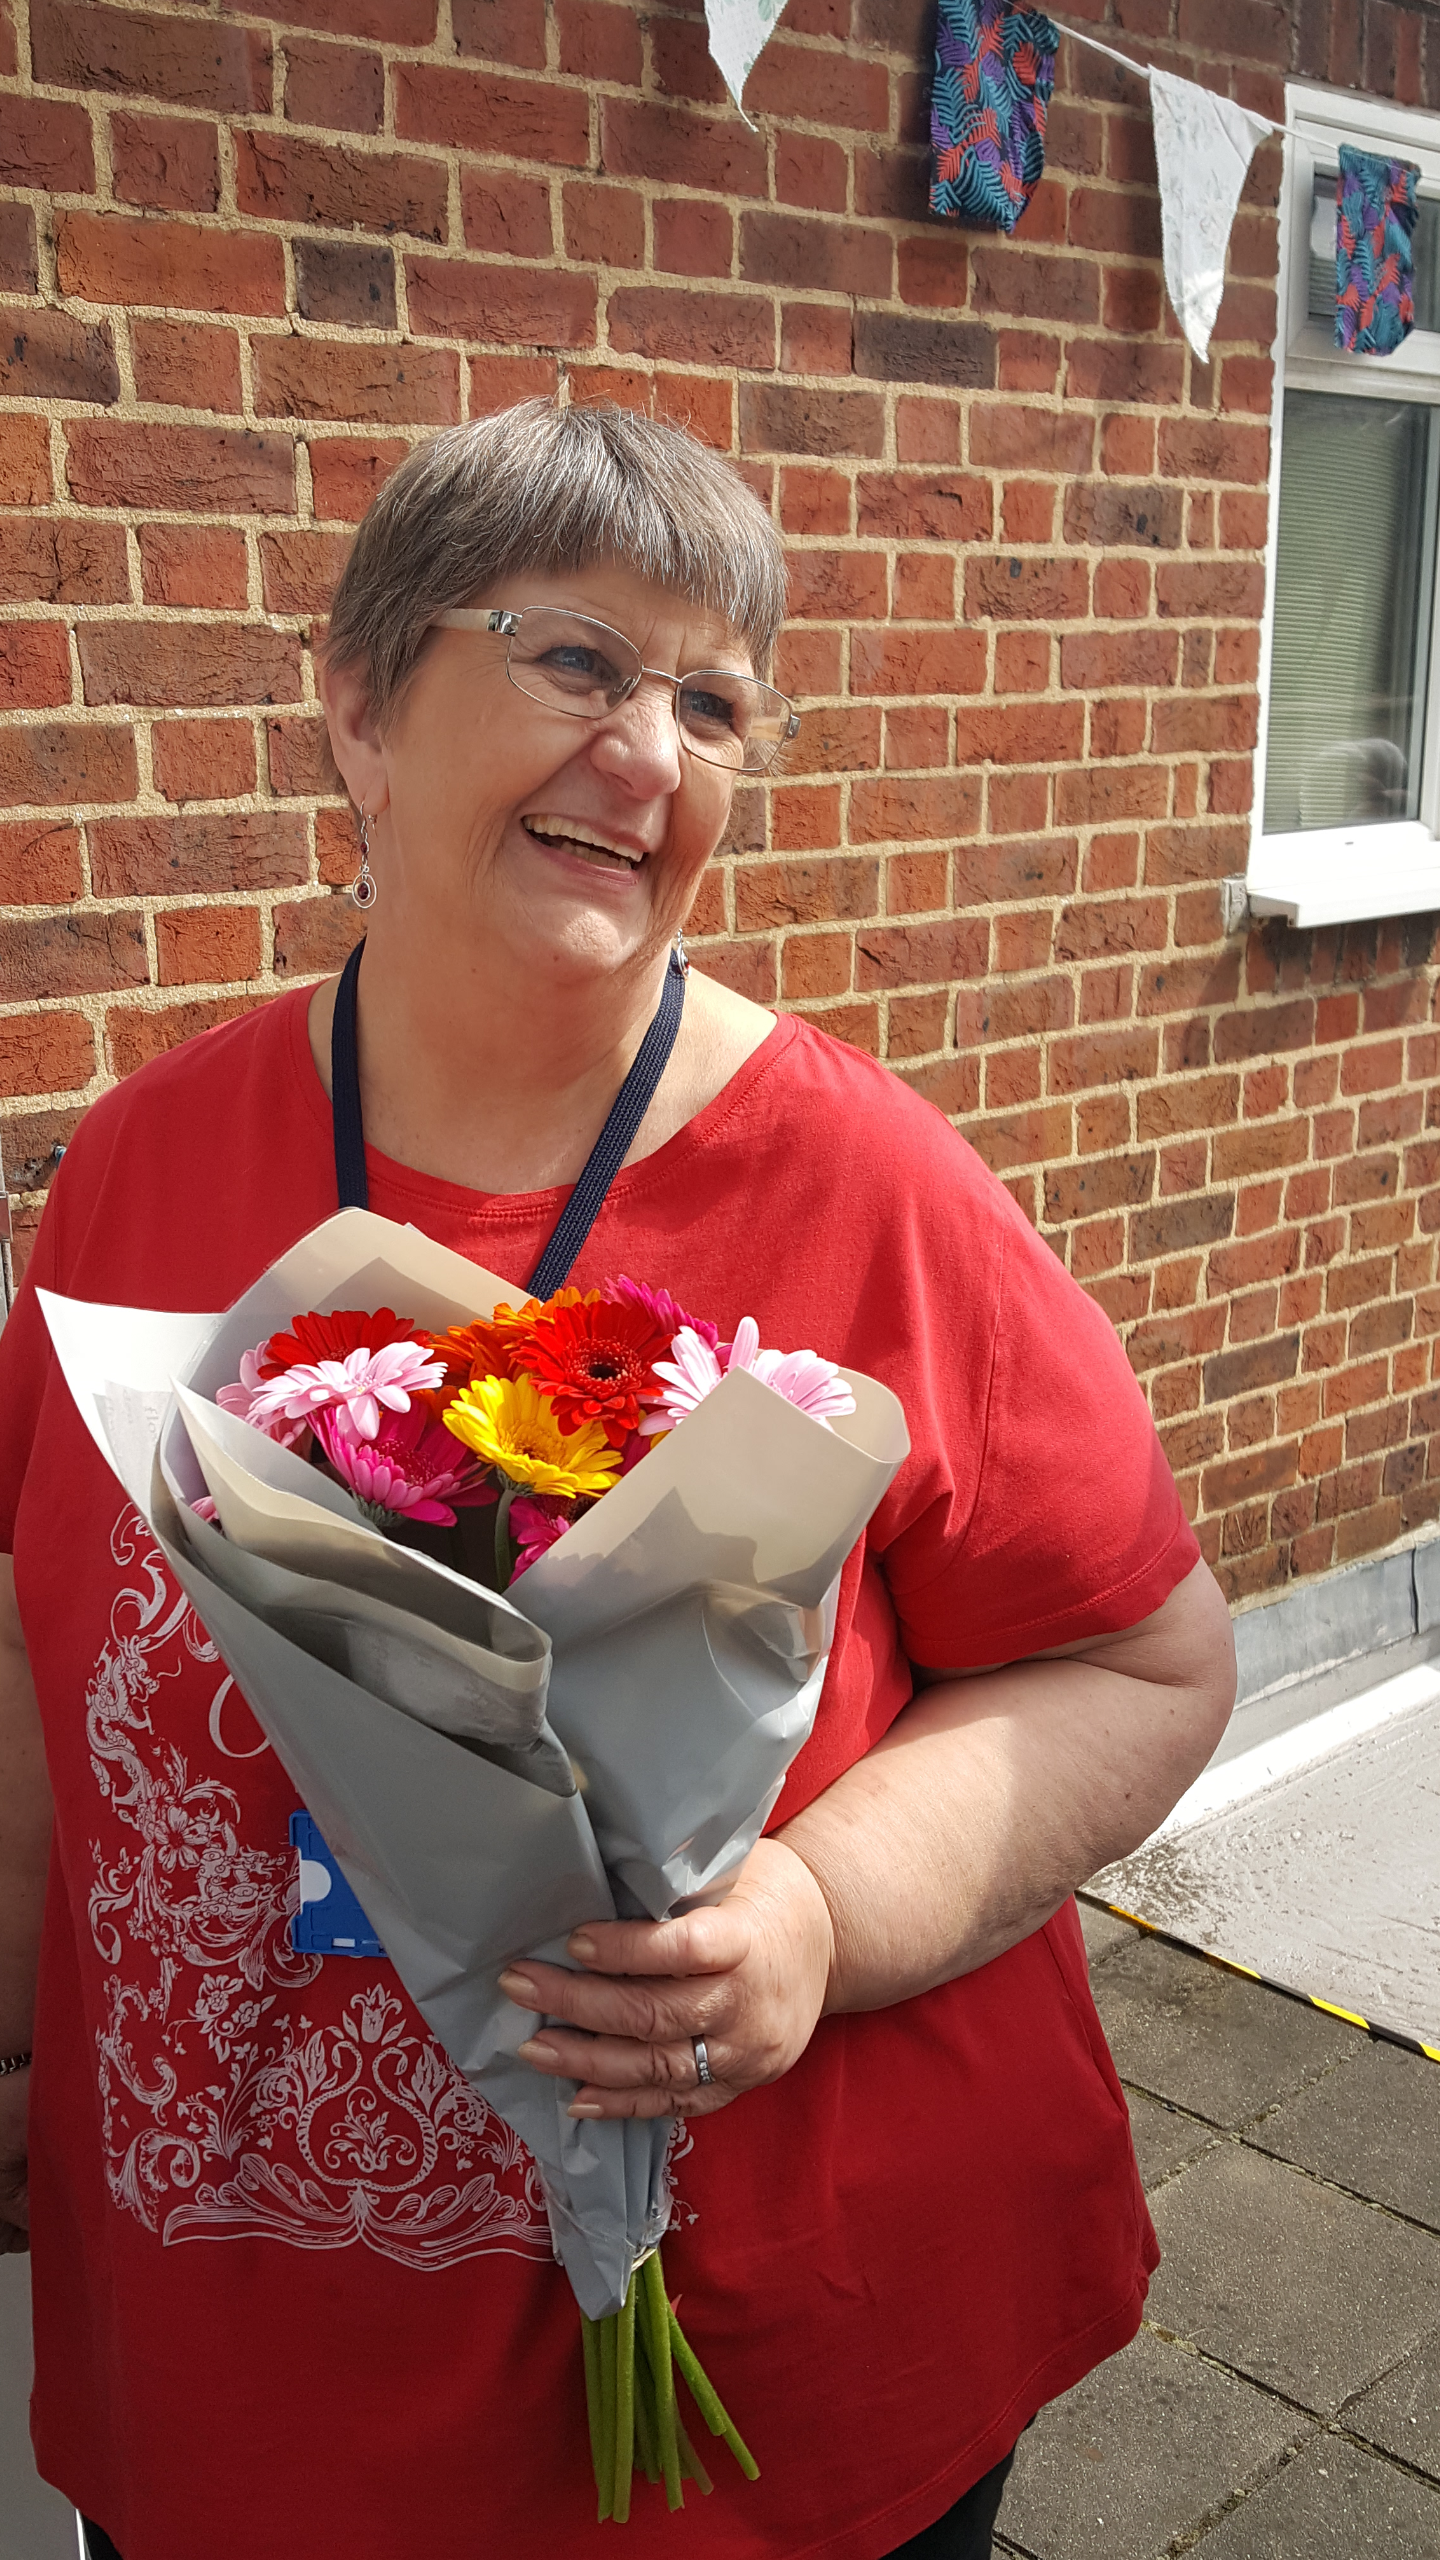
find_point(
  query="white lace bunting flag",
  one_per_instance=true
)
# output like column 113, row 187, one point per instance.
column 739, row 33
column 1204, row 145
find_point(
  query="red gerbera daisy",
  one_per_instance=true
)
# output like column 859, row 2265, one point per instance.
column 315, row 1337
column 595, row 1361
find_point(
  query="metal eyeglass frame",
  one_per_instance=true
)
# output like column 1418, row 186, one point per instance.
column 507, row 623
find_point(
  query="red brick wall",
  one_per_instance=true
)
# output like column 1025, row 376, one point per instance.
column 248, row 254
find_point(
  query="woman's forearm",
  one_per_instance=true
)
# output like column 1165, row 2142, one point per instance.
column 25, row 1824
column 992, row 1797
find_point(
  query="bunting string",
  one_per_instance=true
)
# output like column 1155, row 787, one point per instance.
column 1142, row 71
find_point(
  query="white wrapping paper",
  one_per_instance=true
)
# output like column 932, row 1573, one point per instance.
column 668, row 1653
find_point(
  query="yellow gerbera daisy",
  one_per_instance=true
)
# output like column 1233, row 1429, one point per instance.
column 510, row 1424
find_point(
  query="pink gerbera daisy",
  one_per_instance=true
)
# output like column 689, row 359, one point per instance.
column 352, row 1390
column 536, row 1521
column 801, row 1377
column 240, row 1400
column 666, row 1316
column 410, row 1469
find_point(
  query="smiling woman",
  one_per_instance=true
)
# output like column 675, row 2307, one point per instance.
column 908, row 2207
column 544, row 670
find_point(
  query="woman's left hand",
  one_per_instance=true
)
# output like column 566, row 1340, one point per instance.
column 748, row 1975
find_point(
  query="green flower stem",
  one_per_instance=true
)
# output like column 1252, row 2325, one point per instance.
column 706, row 2397
column 624, row 2407
column 691, row 2463
column 635, row 2423
column 657, row 2311
column 504, row 1552
column 645, row 2438
column 606, row 2483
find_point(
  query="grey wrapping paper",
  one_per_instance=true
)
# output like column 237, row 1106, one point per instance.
column 667, row 1654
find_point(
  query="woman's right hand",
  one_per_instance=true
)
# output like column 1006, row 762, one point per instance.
column 14, row 2210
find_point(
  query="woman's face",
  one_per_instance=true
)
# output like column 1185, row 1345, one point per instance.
column 575, row 847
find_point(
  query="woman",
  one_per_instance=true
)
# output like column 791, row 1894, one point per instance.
column 907, row 2208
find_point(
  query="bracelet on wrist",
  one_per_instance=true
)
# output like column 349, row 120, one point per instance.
column 14, row 2062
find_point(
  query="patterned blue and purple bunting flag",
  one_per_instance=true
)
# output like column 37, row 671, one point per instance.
column 1374, row 262
column 994, row 71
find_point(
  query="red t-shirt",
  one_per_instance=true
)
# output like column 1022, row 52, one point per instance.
column 293, row 2283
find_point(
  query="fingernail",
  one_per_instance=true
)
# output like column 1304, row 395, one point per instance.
column 581, row 2108
column 535, row 2049
column 520, row 1988
column 582, row 1945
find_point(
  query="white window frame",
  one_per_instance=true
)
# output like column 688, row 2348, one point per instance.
column 1338, row 875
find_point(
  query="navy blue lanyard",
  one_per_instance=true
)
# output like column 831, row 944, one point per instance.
column 606, row 1156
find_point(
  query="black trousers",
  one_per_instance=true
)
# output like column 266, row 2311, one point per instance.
column 963, row 2534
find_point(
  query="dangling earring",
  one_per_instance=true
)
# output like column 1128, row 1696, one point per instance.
column 681, row 963
column 362, row 887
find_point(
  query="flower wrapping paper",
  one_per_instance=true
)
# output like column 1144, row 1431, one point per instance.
column 490, row 1775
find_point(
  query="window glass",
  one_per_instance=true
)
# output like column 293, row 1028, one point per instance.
column 1426, row 245
column 1354, row 598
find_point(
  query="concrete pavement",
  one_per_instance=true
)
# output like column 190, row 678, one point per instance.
column 1282, row 2401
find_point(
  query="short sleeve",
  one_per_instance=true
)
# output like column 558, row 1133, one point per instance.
column 1065, row 1520
column 25, row 1357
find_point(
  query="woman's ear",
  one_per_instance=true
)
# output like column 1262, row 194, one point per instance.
column 355, row 740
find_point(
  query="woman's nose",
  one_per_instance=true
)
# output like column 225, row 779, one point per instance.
column 639, row 743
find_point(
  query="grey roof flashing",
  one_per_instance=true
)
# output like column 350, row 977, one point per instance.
column 1329, row 1639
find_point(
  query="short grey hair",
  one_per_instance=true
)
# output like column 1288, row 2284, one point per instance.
column 544, row 488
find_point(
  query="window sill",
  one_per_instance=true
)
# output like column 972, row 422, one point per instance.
column 1346, row 875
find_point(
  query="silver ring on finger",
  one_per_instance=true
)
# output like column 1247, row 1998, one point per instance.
column 702, row 2062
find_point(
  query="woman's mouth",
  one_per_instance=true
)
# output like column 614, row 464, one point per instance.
column 590, row 844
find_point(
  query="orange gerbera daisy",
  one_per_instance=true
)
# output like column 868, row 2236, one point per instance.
column 595, row 1361
column 478, row 1350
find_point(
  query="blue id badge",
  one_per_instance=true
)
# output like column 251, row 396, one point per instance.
column 329, row 1921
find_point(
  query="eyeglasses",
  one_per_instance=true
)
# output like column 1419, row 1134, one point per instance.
column 583, row 668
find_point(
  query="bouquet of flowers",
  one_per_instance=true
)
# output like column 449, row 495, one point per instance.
column 533, row 1602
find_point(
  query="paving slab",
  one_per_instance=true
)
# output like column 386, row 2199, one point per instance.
column 1331, row 2503
column 1402, row 2413
column 1104, row 1934
column 1224, row 2047
column 1373, row 2125
column 1308, row 2291
column 1164, row 2141
column 1141, row 2450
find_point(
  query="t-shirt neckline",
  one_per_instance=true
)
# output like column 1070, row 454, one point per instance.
column 455, row 1199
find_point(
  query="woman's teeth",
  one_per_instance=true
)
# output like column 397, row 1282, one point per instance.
column 589, row 845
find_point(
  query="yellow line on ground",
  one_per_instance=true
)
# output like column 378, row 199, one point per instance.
column 1228, row 1964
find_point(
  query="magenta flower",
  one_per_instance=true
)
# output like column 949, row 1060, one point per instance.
column 241, row 1400
column 350, row 1391
column 661, row 1308
column 412, row 1468
column 636, row 1447
column 814, row 1385
column 536, row 1521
